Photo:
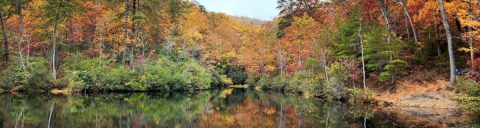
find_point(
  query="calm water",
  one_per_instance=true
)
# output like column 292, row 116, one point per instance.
column 220, row 108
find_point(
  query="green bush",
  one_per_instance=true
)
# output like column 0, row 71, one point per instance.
column 279, row 83
column 301, row 82
column 468, row 86
column 161, row 75
column 31, row 77
column 361, row 94
column 337, row 80
column 470, row 103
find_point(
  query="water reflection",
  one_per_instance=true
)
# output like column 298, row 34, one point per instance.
column 221, row 108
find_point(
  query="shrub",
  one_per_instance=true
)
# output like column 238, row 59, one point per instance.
column 32, row 77
column 468, row 86
column 336, row 83
column 301, row 82
column 470, row 103
column 200, row 77
column 161, row 75
column 361, row 94
column 279, row 83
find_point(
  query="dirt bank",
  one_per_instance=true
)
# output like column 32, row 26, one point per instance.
column 429, row 100
column 418, row 94
column 420, row 117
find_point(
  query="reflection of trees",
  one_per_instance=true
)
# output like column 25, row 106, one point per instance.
column 240, row 108
column 25, row 110
column 249, row 113
column 247, row 108
column 116, row 110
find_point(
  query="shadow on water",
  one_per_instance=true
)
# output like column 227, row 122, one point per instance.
column 214, row 108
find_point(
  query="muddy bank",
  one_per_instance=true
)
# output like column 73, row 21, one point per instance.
column 431, row 104
column 421, row 117
column 407, row 93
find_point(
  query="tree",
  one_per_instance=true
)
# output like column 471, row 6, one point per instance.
column 21, row 32
column 449, row 41
column 469, row 21
column 57, row 12
column 405, row 11
column 5, row 37
column 363, row 55
column 299, row 41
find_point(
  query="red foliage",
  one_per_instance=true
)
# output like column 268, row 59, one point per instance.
column 474, row 69
column 91, row 52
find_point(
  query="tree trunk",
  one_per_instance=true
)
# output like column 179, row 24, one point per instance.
column 437, row 38
column 449, row 41
column 325, row 68
column 54, row 47
column 470, row 36
column 387, row 22
column 134, row 35
column 50, row 115
column 470, row 43
column 299, row 61
column 21, row 32
column 20, row 116
column 125, row 36
column 363, row 58
column 405, row 10
column 5, row 38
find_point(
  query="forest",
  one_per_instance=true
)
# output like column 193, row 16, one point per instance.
column 333, row 49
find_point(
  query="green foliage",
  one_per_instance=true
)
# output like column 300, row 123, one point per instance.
column 227, row 70
column 361, row 94
column 347, row 44
column 304, row 82
column 472, row 88
column 337, row 80
column 31, row 77
column 161, row 75
column 58, row 11
column 470, row 103
column 381, row 52
column 468, row 86
column 300, row 82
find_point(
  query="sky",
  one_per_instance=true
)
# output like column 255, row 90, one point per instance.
column 259, row 9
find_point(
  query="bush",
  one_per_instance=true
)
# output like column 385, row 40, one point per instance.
column 468, row 86
column 160, row 75
column 279, row 83
column 336, row 83
column 470, row 103
column 361, row 94
column 32, row 77
column 302, row 82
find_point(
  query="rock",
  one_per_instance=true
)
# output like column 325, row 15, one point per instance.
column 63, row 91
column 428, row 100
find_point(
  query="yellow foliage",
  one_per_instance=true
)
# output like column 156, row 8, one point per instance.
column 226, row 80
column 269, row 110
column 226, row 92
column 270, row 68
column 229, row 55
column 463, row 49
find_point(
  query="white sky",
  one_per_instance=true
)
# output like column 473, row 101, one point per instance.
column 259, row 9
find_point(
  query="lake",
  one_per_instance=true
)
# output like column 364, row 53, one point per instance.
column 216, row 108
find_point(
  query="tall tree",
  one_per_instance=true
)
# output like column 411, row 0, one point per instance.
column 386, row 16
column 57, row 13
column 5, row 37
column 21, row 32
column 409, row 18
column 449, row 41
column 363, row 54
